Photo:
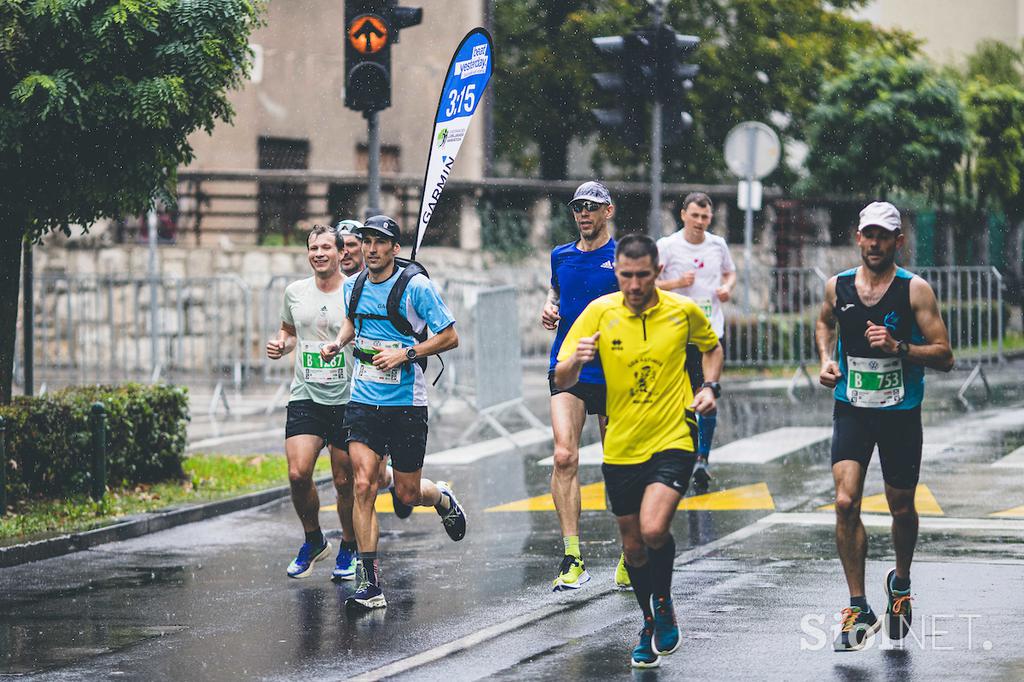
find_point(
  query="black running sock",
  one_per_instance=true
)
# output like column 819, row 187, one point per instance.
column 370, row 567
column 315, row 538
column 640, row 577
column 662, row 562
column 860, row 602
column 350, row 545
column 900, row 584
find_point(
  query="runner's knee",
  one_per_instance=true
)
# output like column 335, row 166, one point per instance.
column 566, row 459
column 343, row 481
column 655, row 537
column 635, row 552
column 847, row 505
column 902, row 508
column 408, row 494
column 299, row 476
column 365, row 486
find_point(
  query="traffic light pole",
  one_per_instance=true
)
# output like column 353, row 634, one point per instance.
column 373, row 148
column 654, row 219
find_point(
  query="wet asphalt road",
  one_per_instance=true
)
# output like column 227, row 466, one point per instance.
column 757, row 590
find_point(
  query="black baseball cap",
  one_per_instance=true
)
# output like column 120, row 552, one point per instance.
column 383, row 225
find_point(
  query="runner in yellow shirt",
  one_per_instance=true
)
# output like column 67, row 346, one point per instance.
column 640, row 335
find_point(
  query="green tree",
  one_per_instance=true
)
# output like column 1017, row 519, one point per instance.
column 998, row 118
column 760, row 59
column 888, row 122
column 97, row 99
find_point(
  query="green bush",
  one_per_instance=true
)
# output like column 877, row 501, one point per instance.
column 49, row 446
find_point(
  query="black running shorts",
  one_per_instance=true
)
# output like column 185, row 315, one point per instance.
column 307, row 418
column 396, row 430
column 594, row 396
column 897, row 433
column 625, row 483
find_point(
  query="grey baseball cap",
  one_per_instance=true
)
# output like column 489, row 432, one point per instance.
column 594, row 191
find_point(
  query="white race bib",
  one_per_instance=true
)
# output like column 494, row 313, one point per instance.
column 315, row 370
column 367, row 371
column 874, row 382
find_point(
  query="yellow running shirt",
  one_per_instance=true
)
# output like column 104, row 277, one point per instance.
column 643, row 358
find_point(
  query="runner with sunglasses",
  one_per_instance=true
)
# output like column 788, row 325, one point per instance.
column 581, row 271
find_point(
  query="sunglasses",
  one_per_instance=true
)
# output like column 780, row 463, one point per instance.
column 585, row 205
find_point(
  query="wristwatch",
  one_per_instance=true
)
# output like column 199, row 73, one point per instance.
column 410, row 354
column 716, row 388
column 902, row 349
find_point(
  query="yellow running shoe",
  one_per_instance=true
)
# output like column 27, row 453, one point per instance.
column 571, row 574
column 622, row 581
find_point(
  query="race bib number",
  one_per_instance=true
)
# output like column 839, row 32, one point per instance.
column 315, row 370
column 367, row 371
column 874, row 382
column 705, row 306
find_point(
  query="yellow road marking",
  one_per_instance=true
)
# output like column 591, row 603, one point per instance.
column 1011, row 513
column 383, row 506
column 925, row 502
column 592, row 498
column 756, row 496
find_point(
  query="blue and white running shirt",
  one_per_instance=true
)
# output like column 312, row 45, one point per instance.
column 423, row 307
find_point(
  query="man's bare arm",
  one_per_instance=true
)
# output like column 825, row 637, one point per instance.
column 824, row 337
column 935, row 352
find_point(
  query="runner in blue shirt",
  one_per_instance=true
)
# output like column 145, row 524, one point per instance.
column 387, row 414
column 580, row 272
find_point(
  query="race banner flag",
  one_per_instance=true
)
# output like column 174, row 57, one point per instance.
column 464, row 84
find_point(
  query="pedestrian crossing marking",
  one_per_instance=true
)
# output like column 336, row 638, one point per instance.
column 756, row 496
column 592, row 498
column 925, row 502
column 1010, row 513
column 384, row 505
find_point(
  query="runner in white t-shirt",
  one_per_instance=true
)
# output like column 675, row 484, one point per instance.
column 311, row 315
column 697, row 264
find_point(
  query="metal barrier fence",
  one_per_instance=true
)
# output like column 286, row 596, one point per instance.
column 781, row 332
column 971, row 303
column 105, row 329
column 91, row 329
column 785, row 303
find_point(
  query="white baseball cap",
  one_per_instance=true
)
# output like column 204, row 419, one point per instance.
column 881, row 214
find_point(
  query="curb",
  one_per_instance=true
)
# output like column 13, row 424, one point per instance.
column 137, row 526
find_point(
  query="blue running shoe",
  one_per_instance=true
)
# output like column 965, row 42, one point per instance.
column 666, row 631
column 644, row 655
column 345, row 566
column 367, row 595
column 454, row 519
column 302, row 565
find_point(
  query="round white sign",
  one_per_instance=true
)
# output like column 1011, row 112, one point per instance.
column 752, row 150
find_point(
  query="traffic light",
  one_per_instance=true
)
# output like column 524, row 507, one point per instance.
column 632, row 83
column 371, row 26
column 674, row 80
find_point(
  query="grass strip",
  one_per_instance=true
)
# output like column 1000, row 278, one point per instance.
column 208, row 477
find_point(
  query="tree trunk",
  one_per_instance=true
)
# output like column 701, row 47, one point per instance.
column 1015, row 256
column 10, row 286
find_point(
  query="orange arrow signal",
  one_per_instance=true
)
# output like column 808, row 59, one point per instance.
column 368, row 33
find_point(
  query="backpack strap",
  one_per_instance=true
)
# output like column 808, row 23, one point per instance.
column 397, row 317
